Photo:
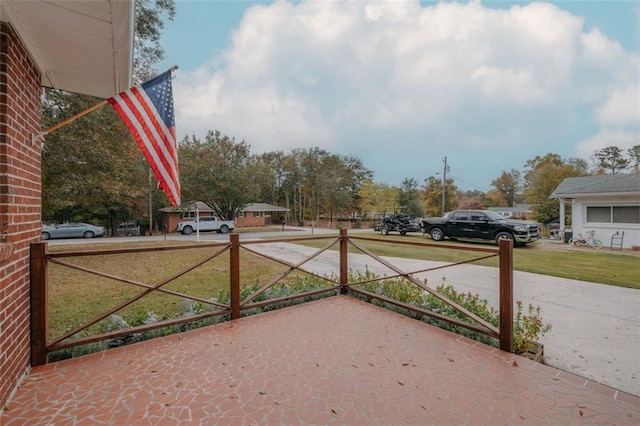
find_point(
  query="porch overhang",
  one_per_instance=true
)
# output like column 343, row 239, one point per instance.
column 79, row 46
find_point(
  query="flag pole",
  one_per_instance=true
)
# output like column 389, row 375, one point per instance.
column 74, row 118
column 80, row 114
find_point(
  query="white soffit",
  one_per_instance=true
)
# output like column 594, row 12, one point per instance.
column 81, row 46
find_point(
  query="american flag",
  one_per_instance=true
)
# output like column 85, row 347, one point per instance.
column 147, row 110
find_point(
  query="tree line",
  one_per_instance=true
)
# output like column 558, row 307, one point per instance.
column 318, row 185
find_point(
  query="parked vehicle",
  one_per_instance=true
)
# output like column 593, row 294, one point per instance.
column 480, row 224
column 71, row 230
column 205, row 224
column 401, row 223
column 127, row 229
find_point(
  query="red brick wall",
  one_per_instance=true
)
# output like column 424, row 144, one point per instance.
column 20, row 200
column 250, row 220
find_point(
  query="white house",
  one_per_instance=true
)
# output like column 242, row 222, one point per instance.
column 604, row 204
column 518, row 211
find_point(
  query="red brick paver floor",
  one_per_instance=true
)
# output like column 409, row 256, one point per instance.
column 333, row 361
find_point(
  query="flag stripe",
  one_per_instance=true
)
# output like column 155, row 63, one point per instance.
column 147, row 110
column 154, row 142
column 139, row 125
column 158, row 125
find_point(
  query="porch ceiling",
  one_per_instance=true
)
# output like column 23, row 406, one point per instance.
column 79, row 46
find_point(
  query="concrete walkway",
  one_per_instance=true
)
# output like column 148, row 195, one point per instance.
column 596, row 327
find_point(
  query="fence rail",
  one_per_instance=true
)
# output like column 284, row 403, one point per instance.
column 41, row 347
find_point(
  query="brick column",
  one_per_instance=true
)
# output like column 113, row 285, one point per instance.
column 20, row 201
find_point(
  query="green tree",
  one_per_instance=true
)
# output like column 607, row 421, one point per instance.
column 542, row 177
column 409, row 198
column 509, row 185
column 336, row 187
column 432, row 197
column 634, row 158
column 494, row 198
column 150, row 15
column 358, row 174
column 319, row 184
column 270, row 177
column 218, row 171
column 611, row 159
column 377, row 198
column 90, row 169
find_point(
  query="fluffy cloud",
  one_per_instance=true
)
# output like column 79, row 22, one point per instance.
column 604, row 138
column 450, row 77
column 622, row 106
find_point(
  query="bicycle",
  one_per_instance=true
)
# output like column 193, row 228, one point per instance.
column 589, row 241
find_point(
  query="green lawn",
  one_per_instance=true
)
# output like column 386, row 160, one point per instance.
column 76, row 296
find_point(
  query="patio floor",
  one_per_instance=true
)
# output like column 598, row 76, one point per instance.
column 333, row 361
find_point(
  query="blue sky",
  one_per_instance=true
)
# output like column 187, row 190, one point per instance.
column 402, row 84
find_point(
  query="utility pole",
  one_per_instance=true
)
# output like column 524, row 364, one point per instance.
column 444, row 184
column 150, row 202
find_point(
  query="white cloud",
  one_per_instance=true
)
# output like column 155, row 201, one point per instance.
column 347, row 75
column 620, row 138
column 621, row 107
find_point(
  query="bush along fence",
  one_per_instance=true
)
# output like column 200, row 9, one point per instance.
column 402, row 291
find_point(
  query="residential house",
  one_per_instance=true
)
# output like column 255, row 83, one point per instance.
column 255, row 214
column 607, row 204
column 518, row 211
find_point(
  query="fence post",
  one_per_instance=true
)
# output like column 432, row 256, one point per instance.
column 344, row 268
column 506, row 295
column 234, row 294
column 38, row 300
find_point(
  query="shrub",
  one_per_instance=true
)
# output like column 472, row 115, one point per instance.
column 526, row 328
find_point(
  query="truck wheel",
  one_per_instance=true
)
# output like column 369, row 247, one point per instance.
column 437, row 234
column 224, row 229
column 384, row 230
column 503, row 236
column 187, row 230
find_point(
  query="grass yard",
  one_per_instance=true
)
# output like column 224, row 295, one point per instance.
column 76, row 296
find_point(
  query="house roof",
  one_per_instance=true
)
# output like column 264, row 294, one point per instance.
column 598, row 185
column 523, row 208
column 79, row 46
column 264, row 207
column 253, row 207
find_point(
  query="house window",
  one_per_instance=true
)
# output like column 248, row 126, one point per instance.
column 242, row 214
column 599, row 214
column 626, row 214
column 257, row 214
column 613, row 214
column 189, row 214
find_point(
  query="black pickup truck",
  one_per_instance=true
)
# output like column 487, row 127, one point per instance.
column 480, row 224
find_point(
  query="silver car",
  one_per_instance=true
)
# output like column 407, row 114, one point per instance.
column 71, row 230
